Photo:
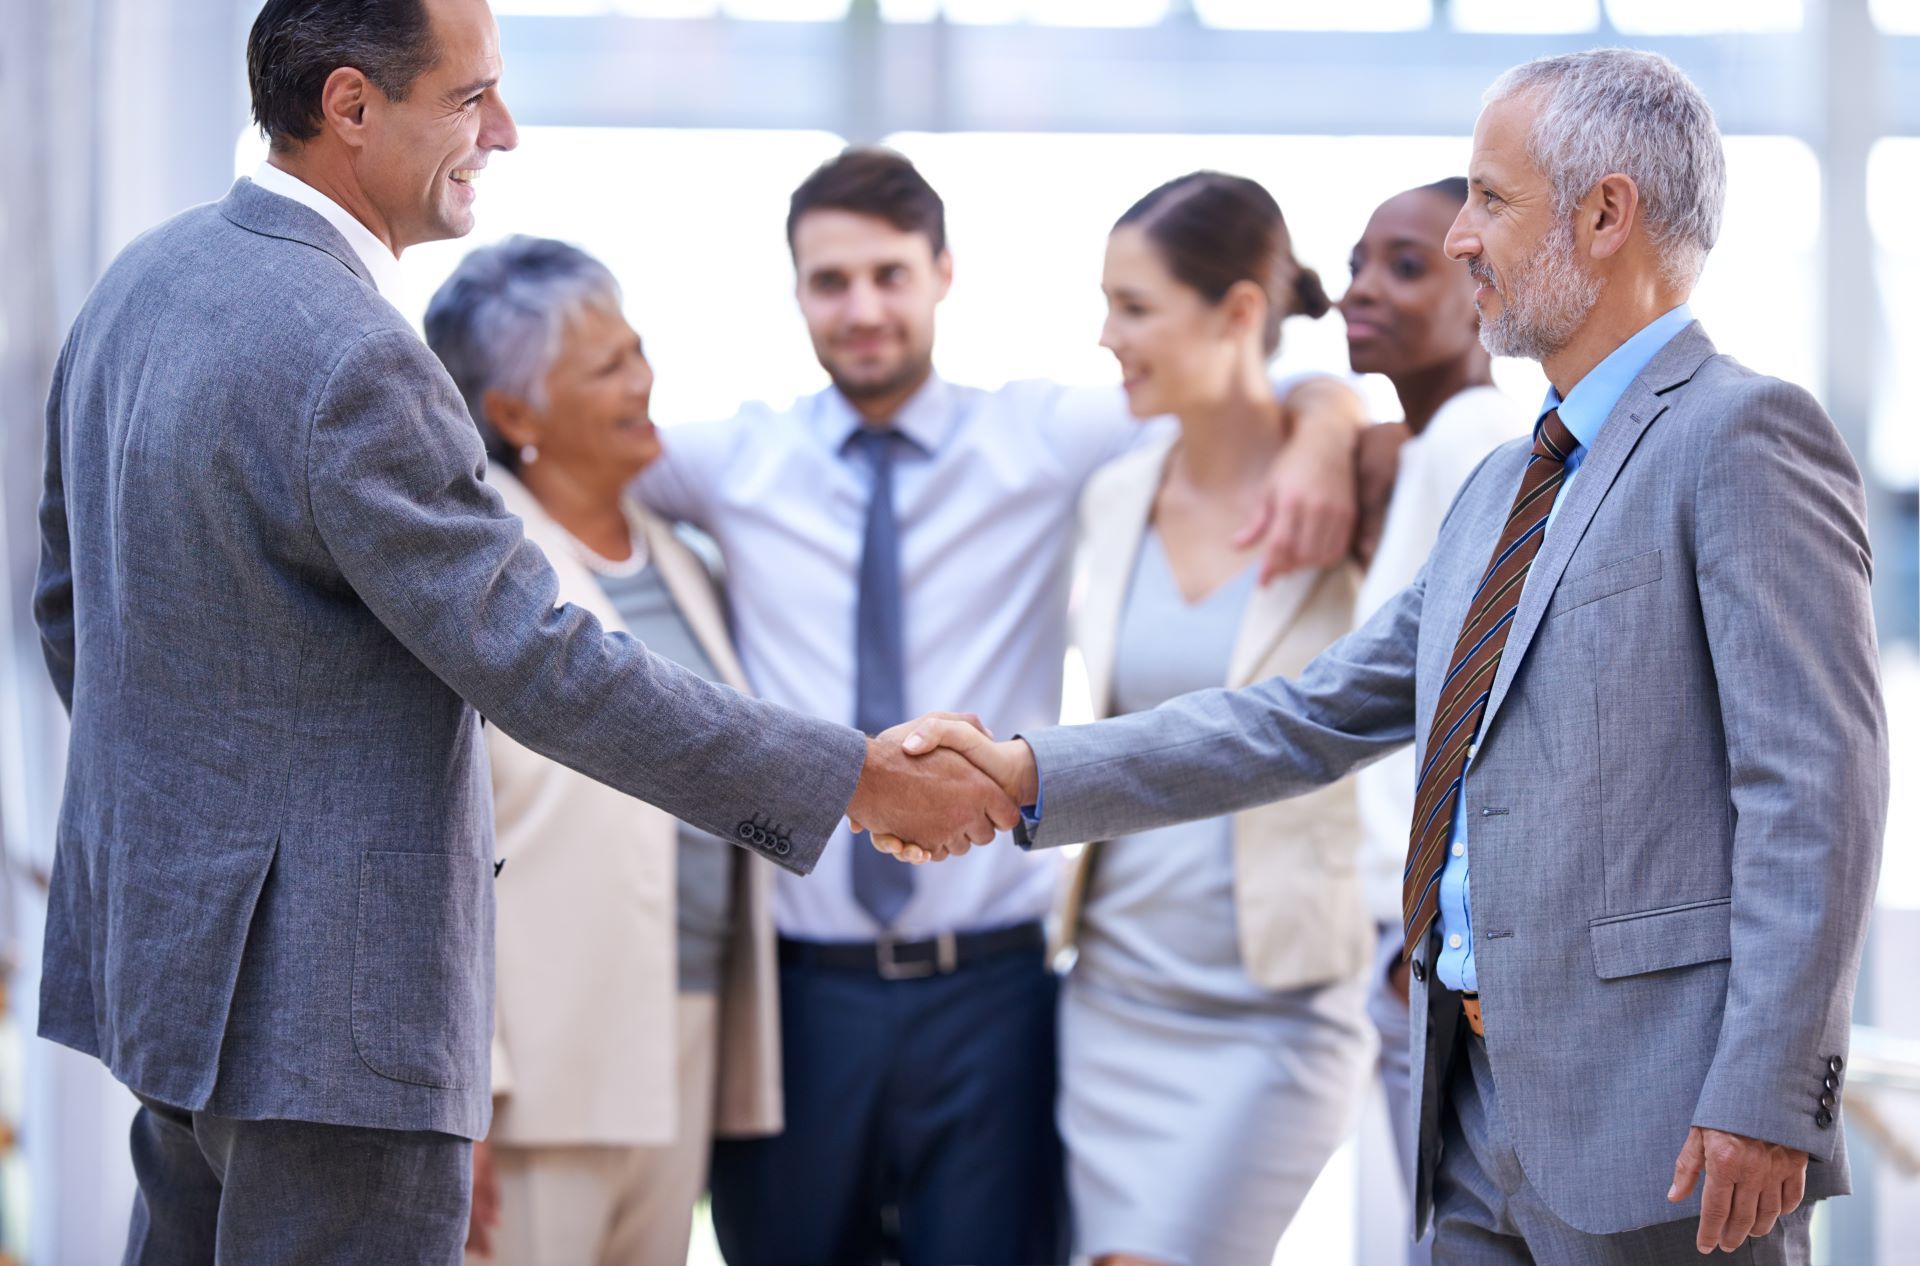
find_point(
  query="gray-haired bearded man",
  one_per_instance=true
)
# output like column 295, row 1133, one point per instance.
column 1641, row 671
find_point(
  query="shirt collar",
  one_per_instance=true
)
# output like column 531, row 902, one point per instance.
column 927, row 418
column 380, row 263
column 1586, row 408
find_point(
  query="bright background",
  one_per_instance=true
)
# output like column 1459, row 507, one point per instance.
column 665, row 137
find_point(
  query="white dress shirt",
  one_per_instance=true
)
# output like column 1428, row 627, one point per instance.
column 381, row 264
column 1433, row 466
column 985, row 497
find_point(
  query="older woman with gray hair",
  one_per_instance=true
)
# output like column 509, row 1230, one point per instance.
column 635, row 1013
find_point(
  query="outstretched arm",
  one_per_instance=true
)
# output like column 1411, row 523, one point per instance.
column 1207, row 753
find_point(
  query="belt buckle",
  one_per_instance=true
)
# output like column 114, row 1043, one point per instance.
column 946, row 959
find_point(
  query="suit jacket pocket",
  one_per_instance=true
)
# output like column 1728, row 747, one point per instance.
column 1604, row 582
column 421, row 996
column 1655, row 940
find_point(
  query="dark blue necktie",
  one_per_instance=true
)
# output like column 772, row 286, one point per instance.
column 881, row 885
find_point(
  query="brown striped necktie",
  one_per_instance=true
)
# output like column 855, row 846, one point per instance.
column 1476, row 661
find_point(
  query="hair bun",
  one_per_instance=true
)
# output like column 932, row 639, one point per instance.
column 1309, row 296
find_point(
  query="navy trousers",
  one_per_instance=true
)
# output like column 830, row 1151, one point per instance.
column 919, row 1125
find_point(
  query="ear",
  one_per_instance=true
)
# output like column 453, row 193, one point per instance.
column 1612, row 209
column 511, row 417
column 1245, row 308
column 343, row 104
column 943, row 273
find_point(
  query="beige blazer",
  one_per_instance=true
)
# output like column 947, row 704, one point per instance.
column 587, row 972
column 1297, row 886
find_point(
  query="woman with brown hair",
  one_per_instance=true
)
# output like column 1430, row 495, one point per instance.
column 1214, row 1041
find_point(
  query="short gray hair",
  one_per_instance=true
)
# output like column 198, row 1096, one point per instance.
column 1622, row 110
column 497, row 321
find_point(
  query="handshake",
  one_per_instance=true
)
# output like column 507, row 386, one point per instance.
column 934, row 787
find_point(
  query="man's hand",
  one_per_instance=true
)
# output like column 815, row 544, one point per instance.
column 1306, row 517
column 1750, row 1185
column 1378, row 464
column 486, row 1201
column 936, row 735
column 938, row 800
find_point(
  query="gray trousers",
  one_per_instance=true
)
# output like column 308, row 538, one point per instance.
column 1391, row 1019
column 1486, row 1213
column 214, row 1191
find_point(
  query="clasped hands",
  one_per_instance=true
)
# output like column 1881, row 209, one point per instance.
column 935, row 787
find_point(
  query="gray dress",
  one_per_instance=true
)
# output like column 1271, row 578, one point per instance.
column 1197, row 1107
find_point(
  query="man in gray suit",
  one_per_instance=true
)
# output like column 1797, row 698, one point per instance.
column 1641, row 673
column 273, row 592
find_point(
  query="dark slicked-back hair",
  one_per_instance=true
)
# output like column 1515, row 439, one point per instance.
column 296, row 44
column 1215, row 230
column 870, row 180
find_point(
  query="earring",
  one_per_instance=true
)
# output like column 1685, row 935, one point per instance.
column 529, row 454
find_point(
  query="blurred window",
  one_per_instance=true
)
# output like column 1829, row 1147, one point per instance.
column 1706, row 17
column 1897, row 17
column 1893, row 189
column 1317, row 15
column 1524, row 16
column 1043, row 12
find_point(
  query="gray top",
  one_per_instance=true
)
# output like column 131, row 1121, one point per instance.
column 1159, row 921
column 705, row 885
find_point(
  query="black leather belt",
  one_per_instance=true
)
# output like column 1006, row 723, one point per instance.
column 910, row 960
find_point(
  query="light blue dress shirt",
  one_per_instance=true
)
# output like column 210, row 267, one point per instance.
column 1584, row 411
column 985, row 497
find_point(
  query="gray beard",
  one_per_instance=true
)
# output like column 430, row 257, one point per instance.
column 1547, row 300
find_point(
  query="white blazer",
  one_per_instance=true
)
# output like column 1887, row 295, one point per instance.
column 587, row 972
column 1297, row 887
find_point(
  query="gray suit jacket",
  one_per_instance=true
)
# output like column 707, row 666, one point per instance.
column 1678, row 799
column 273, row 591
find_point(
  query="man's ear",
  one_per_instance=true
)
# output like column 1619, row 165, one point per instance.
column 943, row 270
column 1612, row 209
column 510, row 417
column 343, row 104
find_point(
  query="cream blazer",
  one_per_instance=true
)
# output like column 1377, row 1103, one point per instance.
column 1297, row 886
column 587, row 971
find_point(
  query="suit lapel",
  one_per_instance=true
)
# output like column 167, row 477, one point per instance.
column 1637, row 409
column 1114, row 531
column 1270, row 613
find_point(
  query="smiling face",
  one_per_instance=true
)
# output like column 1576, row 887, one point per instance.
column 868, row 292
column 1534, row 289
column 593, row 427
column 1409, row 308
column 1176, row 350
column 420, row 155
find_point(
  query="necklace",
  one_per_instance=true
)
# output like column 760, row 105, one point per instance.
column 616, row 569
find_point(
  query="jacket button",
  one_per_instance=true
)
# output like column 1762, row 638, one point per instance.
column 1835, row 1064
column 1419, row 971
column 782, row 847
column 1823, row 1118
column 1830, row 1082
column 1826, row 1100
column 744, row 830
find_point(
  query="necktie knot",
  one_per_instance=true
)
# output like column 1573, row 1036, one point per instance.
column 875, row 443
column 1552, row 440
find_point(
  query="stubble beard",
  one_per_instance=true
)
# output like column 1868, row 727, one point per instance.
column 1544, row 303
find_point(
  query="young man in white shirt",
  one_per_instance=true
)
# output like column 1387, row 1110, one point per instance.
column 893, row 544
